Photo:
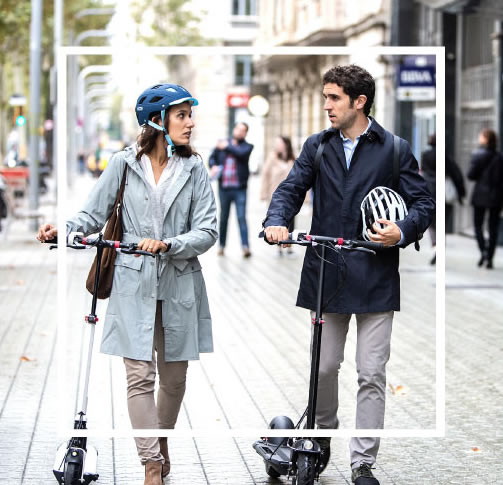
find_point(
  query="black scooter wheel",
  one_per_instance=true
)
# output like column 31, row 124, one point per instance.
column 280, row 422
column 306, row 469
column 72, row 474
column 271, row 471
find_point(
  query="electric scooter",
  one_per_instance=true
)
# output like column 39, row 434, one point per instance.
column 76, row 461
column 299, row 458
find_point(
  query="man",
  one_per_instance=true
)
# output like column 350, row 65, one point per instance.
column 357, row 158
column 229, row 162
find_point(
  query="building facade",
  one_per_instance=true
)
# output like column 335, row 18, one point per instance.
column 471, row 31
column 293, row 83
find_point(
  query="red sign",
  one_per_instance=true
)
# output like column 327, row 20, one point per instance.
column 235, row 100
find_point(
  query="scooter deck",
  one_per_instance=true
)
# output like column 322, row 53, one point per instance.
column 278, row 457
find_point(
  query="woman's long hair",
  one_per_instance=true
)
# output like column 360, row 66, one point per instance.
column 289, row 150
column 147, row 139
column 491, row 138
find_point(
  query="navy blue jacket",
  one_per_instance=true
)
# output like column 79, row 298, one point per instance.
column 372, row 283
column 241, row 152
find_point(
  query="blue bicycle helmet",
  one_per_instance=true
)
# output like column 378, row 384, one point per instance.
column 157, row 99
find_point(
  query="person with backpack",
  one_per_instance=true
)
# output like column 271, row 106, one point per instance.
column 158, row 316
column 352, row 190
column 486, row 169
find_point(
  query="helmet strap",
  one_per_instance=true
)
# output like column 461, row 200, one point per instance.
column 171, row 145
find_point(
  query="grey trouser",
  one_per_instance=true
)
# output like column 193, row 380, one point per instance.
column 372, row 354
column 140, row 393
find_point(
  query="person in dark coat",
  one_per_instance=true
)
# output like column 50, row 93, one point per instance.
column 453, row 171
column 356, row 159
column 229, row 162
column 486, row 169
column 429, row 172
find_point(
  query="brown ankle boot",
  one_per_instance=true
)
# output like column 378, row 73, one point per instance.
column 153, row 473
column 163, row 444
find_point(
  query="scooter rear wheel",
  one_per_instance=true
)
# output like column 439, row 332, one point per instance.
column 306, row 469
column 72, row 474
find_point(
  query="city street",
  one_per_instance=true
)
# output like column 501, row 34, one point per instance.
column 260, row 367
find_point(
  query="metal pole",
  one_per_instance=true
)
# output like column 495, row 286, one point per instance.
column 34, row 115
column 58, row 34
column 316, row 346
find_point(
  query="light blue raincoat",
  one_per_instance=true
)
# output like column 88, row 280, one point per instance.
column 174, row 277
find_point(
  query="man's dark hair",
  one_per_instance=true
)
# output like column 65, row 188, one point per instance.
column 491, row 137
column 354, row 80
column 242, row 123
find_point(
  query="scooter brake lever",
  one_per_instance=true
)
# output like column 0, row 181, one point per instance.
column 364, row 250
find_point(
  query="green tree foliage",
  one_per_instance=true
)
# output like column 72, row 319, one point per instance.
column 167, row 23
column 15, row 18
column 171, row 22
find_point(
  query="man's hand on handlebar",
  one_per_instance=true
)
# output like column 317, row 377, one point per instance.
column 46, row 232
column 388, row 236
column 274, row 234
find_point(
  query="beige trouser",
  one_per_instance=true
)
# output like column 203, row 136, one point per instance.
column 372, row 354
column 140, row 393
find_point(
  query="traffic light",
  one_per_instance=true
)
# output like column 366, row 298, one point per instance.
column 20, row 118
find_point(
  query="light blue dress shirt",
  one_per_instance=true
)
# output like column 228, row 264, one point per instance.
column 349, row 146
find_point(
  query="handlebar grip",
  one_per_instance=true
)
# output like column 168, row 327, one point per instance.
column 262, row 235
column 371, row 245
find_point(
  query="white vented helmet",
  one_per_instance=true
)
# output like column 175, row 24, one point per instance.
column 381, row 203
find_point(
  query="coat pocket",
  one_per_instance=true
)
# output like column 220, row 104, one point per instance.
column 185, row 283
column 127, row 274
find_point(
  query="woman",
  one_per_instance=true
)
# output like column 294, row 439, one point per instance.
column 276, row 168
column 486, row 169
column 159, row 306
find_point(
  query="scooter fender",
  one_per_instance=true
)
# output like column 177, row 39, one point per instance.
column 78, row 455
column 59, row 462
column 305, row 446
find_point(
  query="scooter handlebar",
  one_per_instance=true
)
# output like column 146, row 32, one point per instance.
column 80, row 242
column 303, row 238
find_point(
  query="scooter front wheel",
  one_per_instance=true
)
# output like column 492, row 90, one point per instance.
column 306, row 469
column 73, row 472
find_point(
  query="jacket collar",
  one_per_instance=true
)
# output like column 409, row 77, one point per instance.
column 375, row 128
column 178, row 184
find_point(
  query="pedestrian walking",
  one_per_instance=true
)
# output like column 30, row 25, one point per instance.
column 429, row 172
column 486, row 169
column 358, row 157
column 229, row 162
column 276, row 168
column 158, row 310
column 455, row 190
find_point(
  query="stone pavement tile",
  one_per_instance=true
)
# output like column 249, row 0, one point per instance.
column 260, row 369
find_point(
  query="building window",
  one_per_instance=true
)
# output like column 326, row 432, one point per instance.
column 244, row 7
column 243, row 70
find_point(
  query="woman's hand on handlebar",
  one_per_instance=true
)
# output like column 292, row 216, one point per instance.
column 46, row 232
column 152, row 246
column 274, row 234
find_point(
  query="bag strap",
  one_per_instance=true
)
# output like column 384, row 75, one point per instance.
column 123, row 184
column 319, row 152
column 120, row 194
column 396, row 163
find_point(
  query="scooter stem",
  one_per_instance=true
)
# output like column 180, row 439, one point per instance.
column 316, row 347
column 91, row 319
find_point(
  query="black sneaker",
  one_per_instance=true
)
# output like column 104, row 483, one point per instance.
column 325, row 452
column 363, row 475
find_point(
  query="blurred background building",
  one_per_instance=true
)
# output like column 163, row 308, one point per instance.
column 101, row 107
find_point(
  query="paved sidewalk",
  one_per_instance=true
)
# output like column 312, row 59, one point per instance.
column 260, row 367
